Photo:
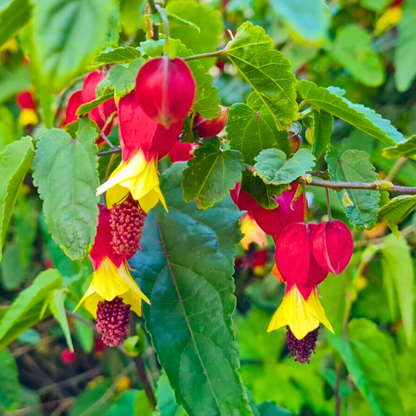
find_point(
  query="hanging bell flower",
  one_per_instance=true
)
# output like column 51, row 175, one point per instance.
column 165, row 90
column 210, row 128
column 332, row 246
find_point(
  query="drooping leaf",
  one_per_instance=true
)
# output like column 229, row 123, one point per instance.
column 65, row 171
column 398, row 266
column 361, row 205
column 25, row 311
column 309, row 19
column 404, row 149
column 189, row 283
column 267, row 71
column 67, row 35
column 211, row 173
column 206, row 99
column 205, row 18
column 322, row 131
column 250, row 132
column 405, row 53
column 57, row 305
column 352, row 48
column 14, row 14
column 370, row 361
column 107, row 94
column 121, row 55
column 9, row 382
column 362, row 118
column 123, row 79
column 15, row 161
column 396, row 210
column 273, row 166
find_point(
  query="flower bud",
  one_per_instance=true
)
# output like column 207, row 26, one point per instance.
column 210, row 128
column 295, row 141
column 25, row 100
column 165, row 90
column 332, row 246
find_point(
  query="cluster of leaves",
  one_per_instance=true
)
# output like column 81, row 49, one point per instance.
column 208, row 367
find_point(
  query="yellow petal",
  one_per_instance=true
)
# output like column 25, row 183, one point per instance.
column 139, row 178
column 300, row 315
column 28, row 116
column 108, row 282
column 252, row 233
column 116, row 196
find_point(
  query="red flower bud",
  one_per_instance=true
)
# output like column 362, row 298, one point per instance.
column 67, row 357
column 295, row 141
column 210, row 128
column 165, row 89
column 137, row 130
column 25, row 100
column 332, row 245
column 294, row 259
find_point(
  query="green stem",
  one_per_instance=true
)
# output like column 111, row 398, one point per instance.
column 216, row 54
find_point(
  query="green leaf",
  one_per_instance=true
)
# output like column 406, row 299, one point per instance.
column 123, row 79
column 90, row 402
column 405, row 52
column 25, row 311
column 250, row 132
column 375, row 5
column 130, row 13
column 309, row 19
column 67, row 35
column 107, row 94
column 124, row 404
column 9, row 382
column 166, row 404
column 396, row 210
column 121, row 55
column 211, row 173
column 273, row 166
column 362, row 204
column 352, row 48
column 13, row 82
column 189, row 282
column 206, row 100
column 398, row 266
column 65, row 171
column 362, row 118
column 267, row 71
column 15, row 161
column 371, row 363
column 178, row 22
column 8, row 131
column 322, row 131
column 14, row 14
column 205, row 18
column 57, row 305
column 403, row 149
column 263, row 193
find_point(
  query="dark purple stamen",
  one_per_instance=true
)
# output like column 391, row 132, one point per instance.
column 302, row 349
column 113, row 321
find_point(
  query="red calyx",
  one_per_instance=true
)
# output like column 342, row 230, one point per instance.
column 181, row 152
column 102, row 245
column 101, row 113
column 295, row 261
column 332, row 245
column 210, row 128
column 165, row 89
column 138, row 131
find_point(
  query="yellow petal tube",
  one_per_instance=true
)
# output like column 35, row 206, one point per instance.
column 136, row 177
column 302, row 316
column 252, row 233
column 108, row 282
column 28, row 116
